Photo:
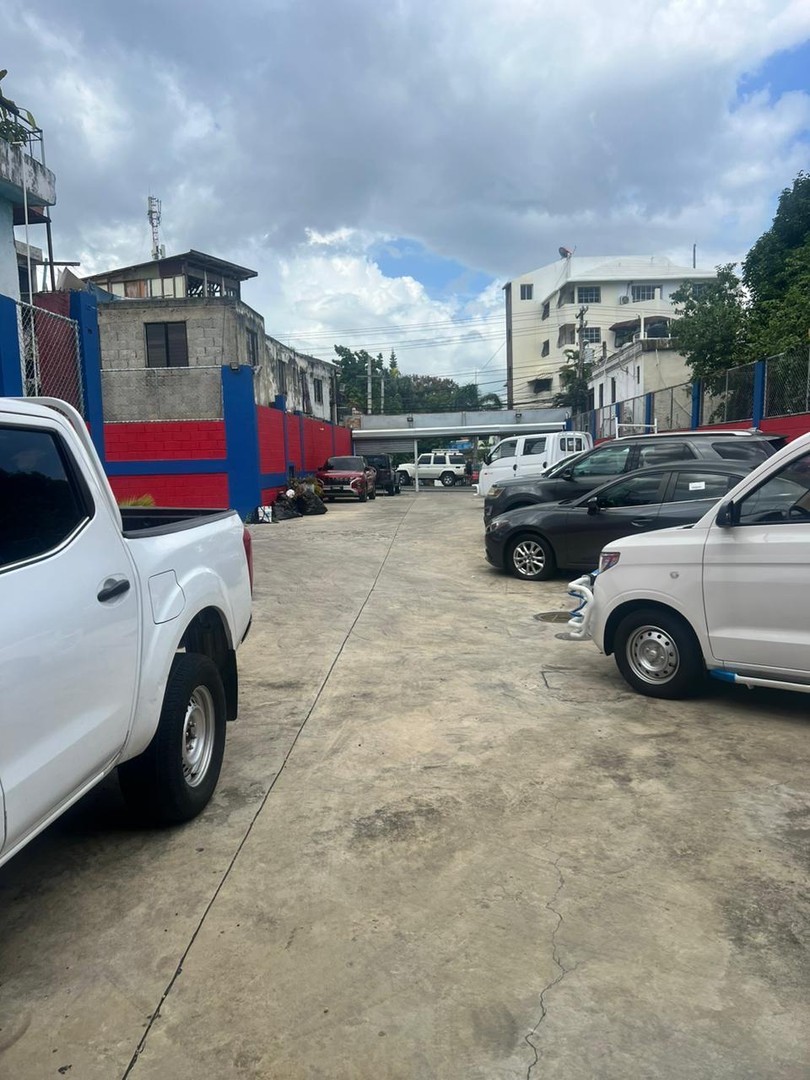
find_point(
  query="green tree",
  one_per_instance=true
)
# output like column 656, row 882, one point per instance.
column 352, row 378
column 711, row 323
column 574, row 378
column 768, row 272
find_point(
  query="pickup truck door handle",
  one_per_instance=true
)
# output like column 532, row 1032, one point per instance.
column 111, row 588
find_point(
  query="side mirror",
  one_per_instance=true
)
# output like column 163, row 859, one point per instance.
column 567, row 474
column 726, row 515
column 487, row 459
column 593, row 505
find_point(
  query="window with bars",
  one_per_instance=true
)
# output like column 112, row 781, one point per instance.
column 592, row 335
column 589, row 294
column 318, row 390
column 526, row 292
column 253, row 348
column 166, row 345
column 643, row 292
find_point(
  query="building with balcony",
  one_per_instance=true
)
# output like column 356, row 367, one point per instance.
column 169, row 325
column 623, row 299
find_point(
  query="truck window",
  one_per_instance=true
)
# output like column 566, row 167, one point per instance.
column 534, row 446
column 40, row 503
column 504, row 449
column 424, row 459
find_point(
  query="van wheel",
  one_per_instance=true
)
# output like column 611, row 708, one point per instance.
column 531, row 558
column 448, row 479
column 658, row 654
column 175, row 776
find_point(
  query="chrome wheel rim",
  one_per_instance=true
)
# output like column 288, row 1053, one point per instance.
column 529, row 558
column 198, row 736
column 652, row 655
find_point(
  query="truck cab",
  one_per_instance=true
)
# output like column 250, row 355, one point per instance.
column 529, row 455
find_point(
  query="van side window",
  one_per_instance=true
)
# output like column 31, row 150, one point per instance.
column 504, row 449
column 784, row 499
column 40, row 502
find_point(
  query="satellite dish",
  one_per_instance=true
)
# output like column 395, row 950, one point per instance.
column 565, row 252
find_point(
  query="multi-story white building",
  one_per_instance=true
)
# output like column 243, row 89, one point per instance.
column 622, row 299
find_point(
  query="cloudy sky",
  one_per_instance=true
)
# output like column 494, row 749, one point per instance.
column 386, row 167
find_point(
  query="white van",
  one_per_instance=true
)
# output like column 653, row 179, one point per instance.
column 727, row 595
column 529, row 455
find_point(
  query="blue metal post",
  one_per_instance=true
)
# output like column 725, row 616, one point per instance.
column 759, row 394
column 697, row 399
column 241, row 438
column 84, row 309
column 11, row 384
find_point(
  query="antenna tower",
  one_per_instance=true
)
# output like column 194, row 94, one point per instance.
column 153, row 213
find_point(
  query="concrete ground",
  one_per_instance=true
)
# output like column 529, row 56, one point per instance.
column 445, row 845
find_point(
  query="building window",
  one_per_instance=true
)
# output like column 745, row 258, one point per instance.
column 612, row 391
column 281, row 376
column 318, row 388
column 546, row 346
column 543, row 386
column 166, row 344
column 566, row 335
column 526, row 292
column 699, row 289
column 592, row 335
column 253, row 348
column 638, row 374
column 643, row 292
column 601, row 394
column 589, row 294
column 546, row 309
column 136, row 290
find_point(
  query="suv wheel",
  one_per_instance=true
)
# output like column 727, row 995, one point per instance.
column 404, row 479
column 448, row 479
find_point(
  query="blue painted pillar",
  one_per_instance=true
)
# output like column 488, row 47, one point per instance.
column 84, row 309
column 648, row 410
column 11, row 384
column 759, row 394
column 241, row 439
column 697, row 397
column 593, row 424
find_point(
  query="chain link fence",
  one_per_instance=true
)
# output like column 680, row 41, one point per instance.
column 787, row 383
column 49, row 355
column 672, row 408
column 728, row 396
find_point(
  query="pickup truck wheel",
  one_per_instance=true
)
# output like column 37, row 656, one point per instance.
column 658, row 654
column 448, row 479
column 174, row 778
column 531, row 558
column 404, row 479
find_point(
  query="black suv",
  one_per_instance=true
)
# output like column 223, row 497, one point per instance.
column 611, row 459
column 387, row 477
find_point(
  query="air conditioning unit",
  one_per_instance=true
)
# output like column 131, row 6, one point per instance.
column 624, row 299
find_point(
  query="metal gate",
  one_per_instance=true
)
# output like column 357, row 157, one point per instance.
column 49, row 355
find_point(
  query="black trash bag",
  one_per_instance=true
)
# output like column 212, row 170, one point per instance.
column 307, row 502
column 284, row 508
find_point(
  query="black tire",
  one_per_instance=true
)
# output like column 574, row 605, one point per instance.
column 397, row 490
column 175, row 776
column 362, row 496
column 391, row 489
column 404, row 479
column 372, row 493
column 530, row 558
column 448, row 479
column 658, row 654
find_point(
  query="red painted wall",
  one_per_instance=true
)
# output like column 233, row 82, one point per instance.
column 208, row 490
column 183, row 440
column 271, row 440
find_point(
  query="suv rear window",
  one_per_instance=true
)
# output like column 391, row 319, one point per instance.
column 740, row 450
column 457, row 459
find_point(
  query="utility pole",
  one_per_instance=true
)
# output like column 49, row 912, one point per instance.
column 368, row 385
column 382, row 392
column 581, row 341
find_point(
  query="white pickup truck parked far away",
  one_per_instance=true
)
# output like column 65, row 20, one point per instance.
column 727, row 595
column 118, row 635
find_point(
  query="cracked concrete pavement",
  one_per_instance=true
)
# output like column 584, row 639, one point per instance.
column 445, row 844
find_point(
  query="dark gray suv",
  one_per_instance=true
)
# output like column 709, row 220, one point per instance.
column 609, row 460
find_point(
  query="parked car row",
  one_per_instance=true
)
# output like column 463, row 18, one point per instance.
column 630, row 485
column 357, row 477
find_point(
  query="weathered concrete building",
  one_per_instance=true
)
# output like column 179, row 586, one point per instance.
column 169, row 326
column 24, row 181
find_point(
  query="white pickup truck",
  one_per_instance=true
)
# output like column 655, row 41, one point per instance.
column 727, row 595
column 118, row 634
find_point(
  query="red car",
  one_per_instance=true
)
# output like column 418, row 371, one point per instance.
column 348, row 476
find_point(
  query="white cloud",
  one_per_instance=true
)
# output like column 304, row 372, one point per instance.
column 296, row 138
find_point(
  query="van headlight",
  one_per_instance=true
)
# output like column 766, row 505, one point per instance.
column 607, row 560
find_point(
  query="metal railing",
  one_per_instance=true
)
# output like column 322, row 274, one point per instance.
column 49, row 355
column 728, row 396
